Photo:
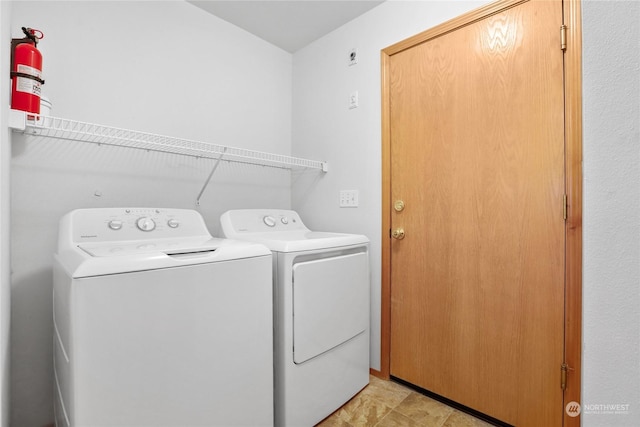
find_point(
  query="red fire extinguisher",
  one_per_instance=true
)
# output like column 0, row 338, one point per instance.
column 26, row 72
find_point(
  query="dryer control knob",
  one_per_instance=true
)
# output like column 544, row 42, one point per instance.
column 269, row 221
column 284, row 220
column 146, row 224
column 115, row 224
column 173, row 223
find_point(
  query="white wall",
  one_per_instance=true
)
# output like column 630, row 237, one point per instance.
column 611, row 117
column 350, row 140
column 163, row 67
column 5, row 168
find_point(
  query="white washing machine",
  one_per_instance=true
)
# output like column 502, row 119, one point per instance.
column 321, row 312
column 156, row 323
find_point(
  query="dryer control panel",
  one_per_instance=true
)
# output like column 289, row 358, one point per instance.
column 261, row 220
column 118, row 224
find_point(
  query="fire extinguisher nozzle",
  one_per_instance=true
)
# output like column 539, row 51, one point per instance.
column 33, row 35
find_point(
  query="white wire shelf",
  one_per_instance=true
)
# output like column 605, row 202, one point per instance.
column 55, row 127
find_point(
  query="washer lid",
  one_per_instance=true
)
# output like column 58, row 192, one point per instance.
column 95, row 259
column 132, row 248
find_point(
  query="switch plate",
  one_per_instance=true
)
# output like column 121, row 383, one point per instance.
column 353, row 100
column 348, row 198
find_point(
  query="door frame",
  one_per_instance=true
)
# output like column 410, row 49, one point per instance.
column 573, row 186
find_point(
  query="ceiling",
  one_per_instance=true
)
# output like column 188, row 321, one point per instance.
column 288, row 24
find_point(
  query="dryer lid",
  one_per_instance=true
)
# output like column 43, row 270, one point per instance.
column 299, row 240
column 330, row 303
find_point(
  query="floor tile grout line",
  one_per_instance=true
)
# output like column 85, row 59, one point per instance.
column 394, row 408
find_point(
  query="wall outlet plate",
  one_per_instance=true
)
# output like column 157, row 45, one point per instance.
column 353, row 57
column 349, row 198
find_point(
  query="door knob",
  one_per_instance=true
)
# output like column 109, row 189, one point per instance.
column 398, row 205
column 398, row 233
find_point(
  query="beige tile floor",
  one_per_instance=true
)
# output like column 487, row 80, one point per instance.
column 388, row 404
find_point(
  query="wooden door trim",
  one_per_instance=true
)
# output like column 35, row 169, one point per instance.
column 385, row 288
column 573, row 186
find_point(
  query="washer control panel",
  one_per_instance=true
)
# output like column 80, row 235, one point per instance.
column 146, row 224
column 261, row 220
column 116, row 224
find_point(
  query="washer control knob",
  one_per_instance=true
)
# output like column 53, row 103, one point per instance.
column 284, row 220
column 173, row 223
column 146, row 224
column 115, row 224
column 269, row 221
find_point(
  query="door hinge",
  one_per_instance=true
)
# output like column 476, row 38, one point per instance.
column 563, row 376
column 563, row 37
column 565, row 207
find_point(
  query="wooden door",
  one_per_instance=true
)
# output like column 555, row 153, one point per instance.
column 477, row 157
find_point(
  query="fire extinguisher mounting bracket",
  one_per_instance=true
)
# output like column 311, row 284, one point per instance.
column 17, row 120
column 27, row 76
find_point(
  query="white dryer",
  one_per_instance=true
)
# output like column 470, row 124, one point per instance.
column 156, row 323
column 321, row 309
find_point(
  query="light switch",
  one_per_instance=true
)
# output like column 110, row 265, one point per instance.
column 353, row 100
column 348, row 198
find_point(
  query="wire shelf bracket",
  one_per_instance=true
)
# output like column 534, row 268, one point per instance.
column 59, row 128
